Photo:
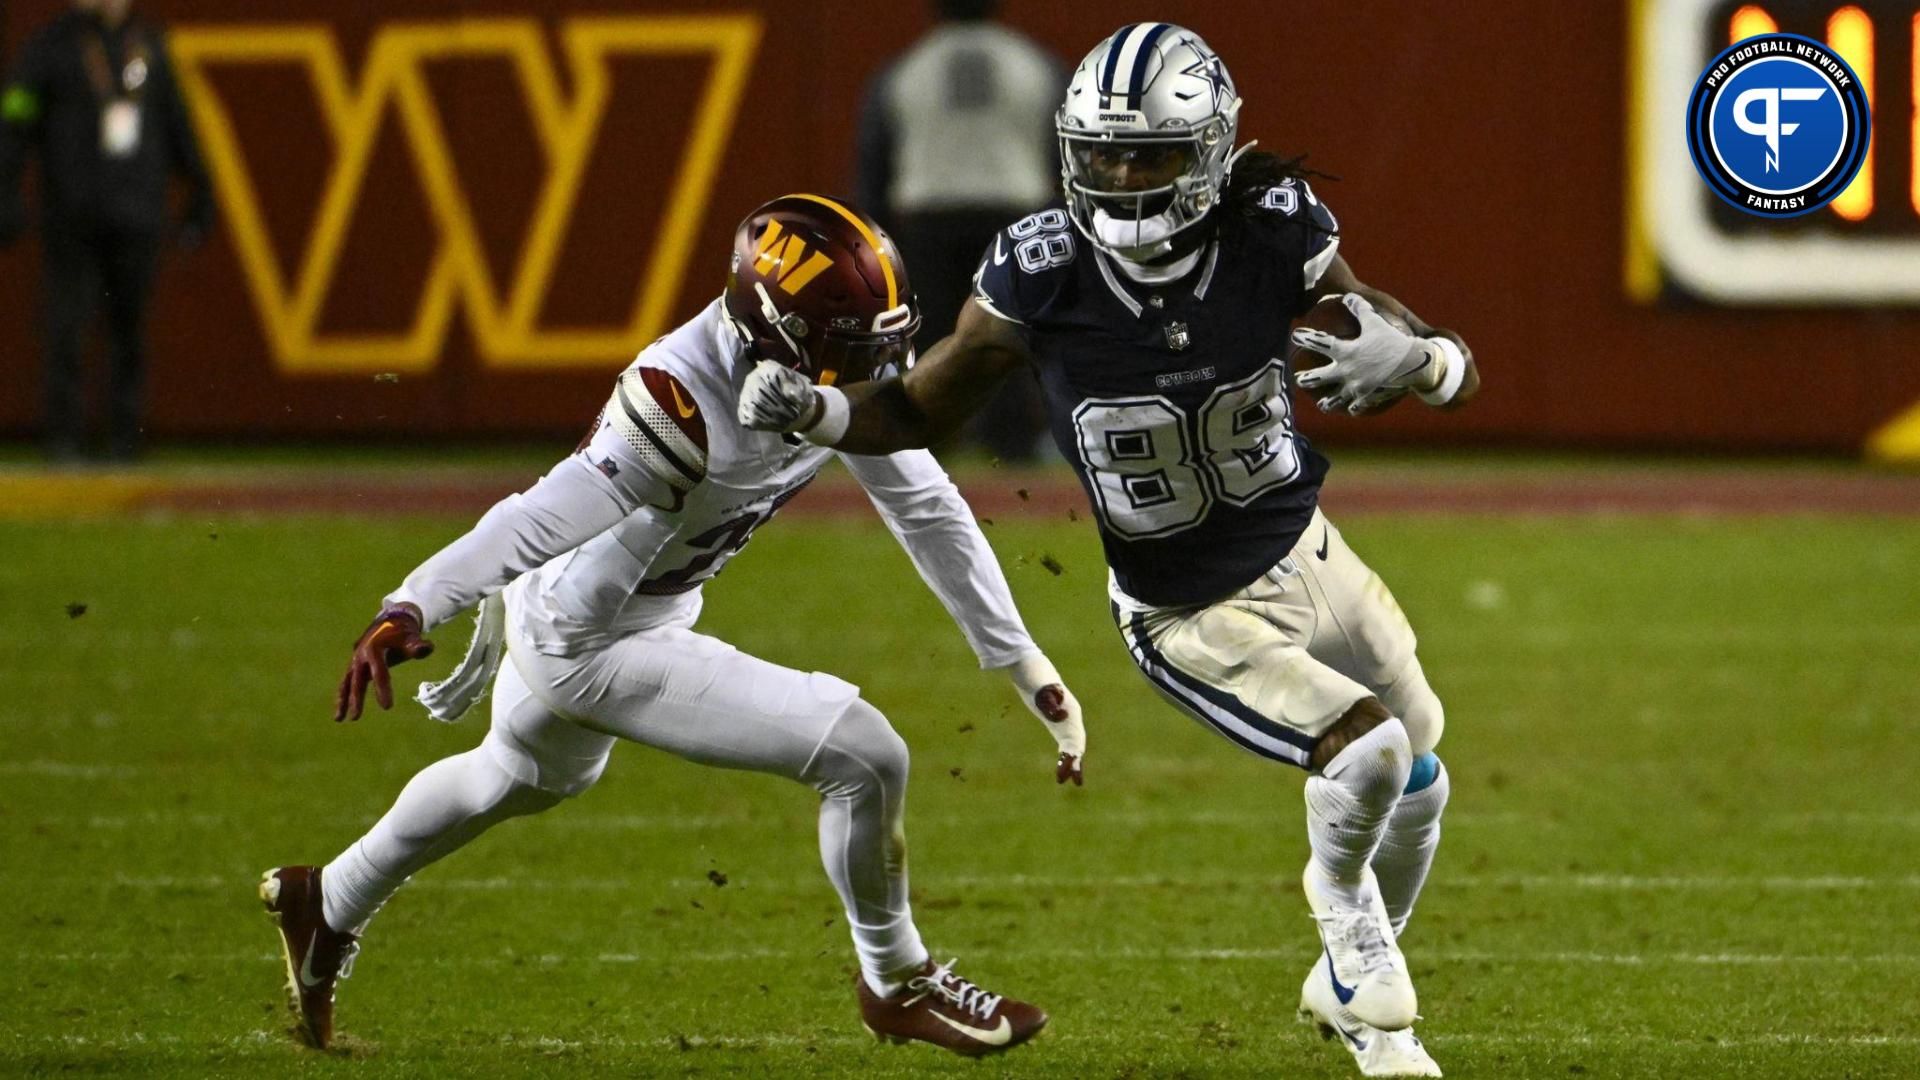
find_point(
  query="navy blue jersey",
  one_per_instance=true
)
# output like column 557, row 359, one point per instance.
column 1171, row 401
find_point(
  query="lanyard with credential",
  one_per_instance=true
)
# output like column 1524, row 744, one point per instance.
column 119, row 97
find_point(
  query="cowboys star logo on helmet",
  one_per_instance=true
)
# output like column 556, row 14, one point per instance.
column 1146, row 139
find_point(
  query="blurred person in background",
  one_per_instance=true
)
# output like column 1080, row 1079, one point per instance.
column 956, row 137
column 94, row 93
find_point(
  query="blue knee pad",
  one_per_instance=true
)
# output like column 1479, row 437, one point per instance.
column 1426, row 769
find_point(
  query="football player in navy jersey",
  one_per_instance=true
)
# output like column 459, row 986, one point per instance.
column 1155, row 299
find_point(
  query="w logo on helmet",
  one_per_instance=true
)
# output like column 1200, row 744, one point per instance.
column 783, row 257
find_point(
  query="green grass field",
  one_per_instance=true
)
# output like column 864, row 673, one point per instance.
column 1681, row 843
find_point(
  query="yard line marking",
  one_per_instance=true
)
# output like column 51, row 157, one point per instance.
column 66, row 770
column 274, row 1040
column 673, row 822
column 1633, row 1038
column 746, row 881
column 670, row 822
column 1302, row 954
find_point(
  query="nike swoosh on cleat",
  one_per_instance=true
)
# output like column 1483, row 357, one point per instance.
column 996, row 1037
column 999, row 256
column 306, row 965
column 1344, row 993
column 1324, row 540
column 1359, row 1044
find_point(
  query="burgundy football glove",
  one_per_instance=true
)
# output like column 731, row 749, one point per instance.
column 1050, row 702
column 393, row 638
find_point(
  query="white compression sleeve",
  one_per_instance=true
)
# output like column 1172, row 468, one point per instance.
column 860, row 770
column 619, row 469
column 444, row 806
column 936, row 527
column 1408, row 845
column 570, row 505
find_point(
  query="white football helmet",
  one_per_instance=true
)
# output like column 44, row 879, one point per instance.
column 1146, row 138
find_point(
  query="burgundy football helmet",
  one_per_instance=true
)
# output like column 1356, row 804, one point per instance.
column 819, row 287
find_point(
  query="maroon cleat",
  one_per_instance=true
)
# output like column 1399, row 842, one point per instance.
column 946, row 1010
column 317, row 955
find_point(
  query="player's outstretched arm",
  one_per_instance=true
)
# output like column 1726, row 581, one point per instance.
column 587, row 493
column 930, row 401
column 926, row 514
column 569, row 506
column 1443, row 385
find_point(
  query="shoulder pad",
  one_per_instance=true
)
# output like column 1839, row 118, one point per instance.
column 1027, row 265
column 1315, row 234
column 659, row 417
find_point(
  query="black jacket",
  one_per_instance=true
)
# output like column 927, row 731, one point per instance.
column 55, row 98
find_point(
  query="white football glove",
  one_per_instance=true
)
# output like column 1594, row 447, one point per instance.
column 1048, row 698
column 1382, row 357
column 1386, row 395
column 776, row 398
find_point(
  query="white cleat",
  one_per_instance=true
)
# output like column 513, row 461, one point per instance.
column 1376, row 1052
column 1366, row 974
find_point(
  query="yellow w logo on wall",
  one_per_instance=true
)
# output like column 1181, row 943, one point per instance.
column 504, row 326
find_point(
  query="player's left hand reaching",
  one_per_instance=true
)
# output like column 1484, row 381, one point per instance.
column 394, row 638
column 1048, row 698
column 1381, row 359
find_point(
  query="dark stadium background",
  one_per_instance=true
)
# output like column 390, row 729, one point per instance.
column 1481, row 152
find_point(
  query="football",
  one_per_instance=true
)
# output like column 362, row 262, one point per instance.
column 1331, row 316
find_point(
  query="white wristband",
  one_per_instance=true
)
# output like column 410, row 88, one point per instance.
column 833, row 417
column 1454, row 363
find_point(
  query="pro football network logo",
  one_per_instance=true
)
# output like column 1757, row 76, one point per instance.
column 1778, row 125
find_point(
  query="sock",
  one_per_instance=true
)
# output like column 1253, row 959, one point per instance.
column 860, row 770
column 889, row 955
column 1349, row 802
column 444, row 806
column 1412, row 835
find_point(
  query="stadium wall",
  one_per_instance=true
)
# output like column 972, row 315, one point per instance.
column 458, row 218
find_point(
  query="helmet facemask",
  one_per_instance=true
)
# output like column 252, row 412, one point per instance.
column 1132, row 194
column 846, row 354
column 836, row 353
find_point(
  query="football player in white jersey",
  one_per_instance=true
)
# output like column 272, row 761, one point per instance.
column 1155, row 300
column 590, row 583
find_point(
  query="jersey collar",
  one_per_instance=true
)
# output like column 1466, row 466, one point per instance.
column 1125, row 295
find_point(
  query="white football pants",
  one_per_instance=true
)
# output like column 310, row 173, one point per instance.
column 555, row 720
